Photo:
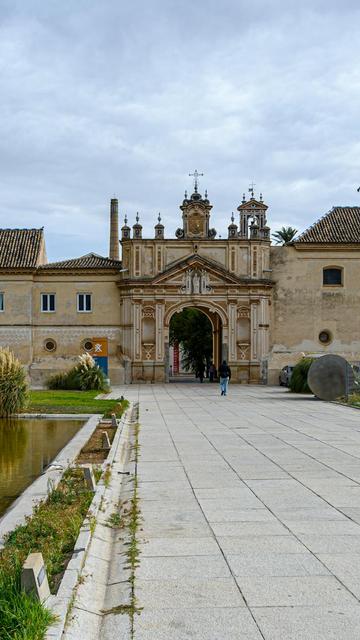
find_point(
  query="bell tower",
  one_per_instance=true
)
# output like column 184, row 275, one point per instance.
column 256, row 210
column 196, row 214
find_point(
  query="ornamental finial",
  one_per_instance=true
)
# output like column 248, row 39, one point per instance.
column 196, row 175
column 137, row 217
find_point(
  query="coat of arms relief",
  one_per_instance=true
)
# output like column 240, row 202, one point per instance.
column 196, row 281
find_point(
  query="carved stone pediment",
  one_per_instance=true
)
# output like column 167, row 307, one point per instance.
column 196, row 281
column 201, row 271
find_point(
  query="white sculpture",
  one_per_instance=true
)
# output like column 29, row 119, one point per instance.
column 196, row 282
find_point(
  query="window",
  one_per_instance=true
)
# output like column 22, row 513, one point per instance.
column 325, row 337
column 48, row 302
column 50, row 345
column 88, row 345
column 332, row 276
column 84, row 302
column 2, row 301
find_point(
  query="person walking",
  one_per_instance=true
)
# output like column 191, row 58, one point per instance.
column 225, row 376
column 212, row 372
column 200, row 371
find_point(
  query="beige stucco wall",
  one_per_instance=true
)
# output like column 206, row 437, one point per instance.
column 303, row 307
column 15, row 320
column 25, row 328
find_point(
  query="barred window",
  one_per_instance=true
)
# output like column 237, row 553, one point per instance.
column 333, row 276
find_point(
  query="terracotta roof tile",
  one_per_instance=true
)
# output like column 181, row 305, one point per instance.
column 340, row 225
column 89, row 261
column 20, row 248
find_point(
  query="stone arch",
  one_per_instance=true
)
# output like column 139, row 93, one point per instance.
column 208, row 308
column 217, row 317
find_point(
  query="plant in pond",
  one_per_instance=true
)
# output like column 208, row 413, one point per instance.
column 52, row 529
column 13, row 385
column 84, row 376
column 298, row 380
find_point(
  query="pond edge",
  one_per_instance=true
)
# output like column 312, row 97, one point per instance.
column 38, row 490
column 61, row 603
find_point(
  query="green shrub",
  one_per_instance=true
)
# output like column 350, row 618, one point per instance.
column 93, row 378
column 13, row 385
column 298, row 380
column 84, row 376
column 58, row 381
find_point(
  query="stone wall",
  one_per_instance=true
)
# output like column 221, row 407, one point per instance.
column 303, row 307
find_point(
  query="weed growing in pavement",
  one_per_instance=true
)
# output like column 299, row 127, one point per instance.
column 107, row 475
column 114, row 520
column 129, row 520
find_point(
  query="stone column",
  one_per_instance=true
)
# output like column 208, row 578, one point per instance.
column 159, row 319
column 254, row 330
column 137, row 331
column 232, row 311
column 263, row 331
column 254, row 369
column 225, row 344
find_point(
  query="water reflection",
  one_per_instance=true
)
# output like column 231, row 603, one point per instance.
column 26, row 447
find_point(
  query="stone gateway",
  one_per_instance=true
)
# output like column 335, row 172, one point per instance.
column 267, row 305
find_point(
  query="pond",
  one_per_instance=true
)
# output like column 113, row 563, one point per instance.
column 26, row 447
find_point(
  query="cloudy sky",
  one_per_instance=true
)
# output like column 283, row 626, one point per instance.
column 103, row 97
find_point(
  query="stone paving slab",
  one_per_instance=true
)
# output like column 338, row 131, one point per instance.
column 294, row 591
column 276, row 564
column 251, row 514
column 197, row 624
column 189, row 594
column 308, row 623
column 179, row 547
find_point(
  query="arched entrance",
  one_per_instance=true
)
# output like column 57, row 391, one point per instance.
column 194, row 334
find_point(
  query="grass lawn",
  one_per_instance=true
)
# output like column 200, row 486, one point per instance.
column 72, row 402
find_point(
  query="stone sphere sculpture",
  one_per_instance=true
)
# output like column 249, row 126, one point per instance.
column 330, row 377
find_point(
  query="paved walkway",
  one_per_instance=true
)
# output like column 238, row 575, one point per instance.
column 251, row 507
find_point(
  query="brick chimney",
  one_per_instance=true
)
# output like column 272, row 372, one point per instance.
column 114, row 229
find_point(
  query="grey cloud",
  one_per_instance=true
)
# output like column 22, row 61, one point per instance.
column 107, row 97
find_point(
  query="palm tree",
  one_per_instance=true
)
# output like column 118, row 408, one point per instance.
column 284, row 235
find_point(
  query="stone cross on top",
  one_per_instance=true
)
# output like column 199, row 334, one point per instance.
column 196, row 175
column 251, row 188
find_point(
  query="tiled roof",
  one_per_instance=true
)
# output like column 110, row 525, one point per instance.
column 89, row 261
column 20, row 248
column 340, row 225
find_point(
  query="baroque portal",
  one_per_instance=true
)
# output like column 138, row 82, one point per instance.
column 226, row 278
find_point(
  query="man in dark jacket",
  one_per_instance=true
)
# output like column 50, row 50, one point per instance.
column 225, row 376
